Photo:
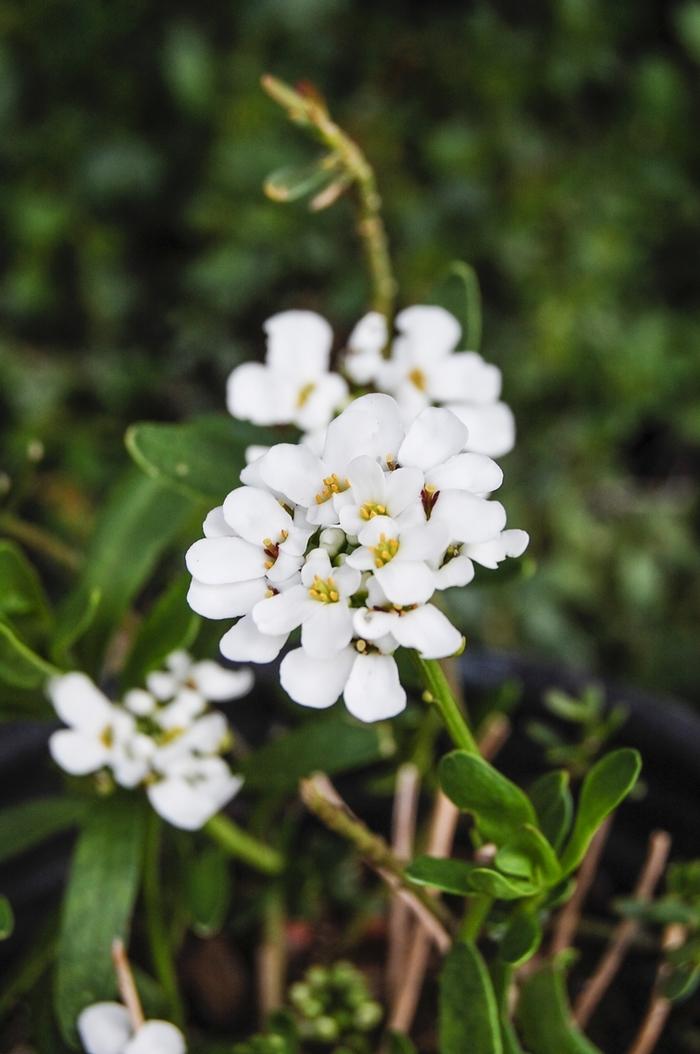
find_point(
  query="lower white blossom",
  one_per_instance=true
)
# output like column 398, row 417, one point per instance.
column 106, row 1028
column 165, row 740
column 368, row 680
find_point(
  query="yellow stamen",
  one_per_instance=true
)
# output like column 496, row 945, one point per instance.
column 107, row 736
column 324, row 591
column 304, row 393
column 361, row 645
column 385, row 550
column 331, row 485
column 418, row 378
column 370, row 509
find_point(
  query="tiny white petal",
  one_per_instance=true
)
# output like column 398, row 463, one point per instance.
column 218, row 684
column 370, row 425
column 292, row 470
column 459, row 571
column 468, row 518
column 435, row 435
column 104, row 1028
column 79, row 702
column 139, row 702
column 315, row 682
column 255, row 515
column 468, row 471
column 245, row 643
column 298, row 343
column 370, row 334
column 491, row 427
column 220, row 561
column 373, row 691
column 406, row 582
column 228, row 600
column 428, row 631
column 328, row 630
column 317, row 409
column 215, row 525
column 251, row 395
column 157, row 1037
column 464, row 376
column 162, row 684
column 77, row 753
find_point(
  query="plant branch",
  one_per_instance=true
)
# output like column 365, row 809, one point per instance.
column 238, row 843
column 625, row 933
column 438, row 692
column 308, row 110
column 402, row 843
column 126, row 984
column 321, row 798
column 659, row 1006
column 40, row 541
column 568, row 918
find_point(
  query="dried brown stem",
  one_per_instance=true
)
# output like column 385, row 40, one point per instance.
column 659, row 1006
column 271, row 962
column 126, row 984
column 568, row 919
column 625, row 933
column 403, row 834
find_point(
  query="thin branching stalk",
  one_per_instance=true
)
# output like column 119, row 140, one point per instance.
column 126, row 984
column 238, row 843
column 156, row 928
column 438, row 692
column 402, row 843
column 567, row 921
column 625, row 933
column 309, row 110
column 40, row 541
column 659, row 1006
column 272, row 956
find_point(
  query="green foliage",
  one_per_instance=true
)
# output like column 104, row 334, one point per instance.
column 554, row 806
column 499, row 807
column 7, row 918
column 545, row 1018
column 609, row 781
column 331, row 744
column 591, row 721
column 469, row 1018
column 102, row 887
column 521, row 939
column 28, row 824
column 169, row 625
column 23, row 602
column 208, row 890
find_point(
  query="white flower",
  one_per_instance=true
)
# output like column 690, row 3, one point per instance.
column 106, row 1028
column 400, row 557
column 97, row 729
column 192, row 790
column 320, row 605
column 211, row 681
column 423, row 628
column 363, row 357
column 294, row 386
column 368, row 680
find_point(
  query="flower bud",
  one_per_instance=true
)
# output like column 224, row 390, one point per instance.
column 332, row 539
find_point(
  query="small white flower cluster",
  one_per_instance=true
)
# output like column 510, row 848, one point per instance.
column 350, row 546
column 106, row 1028
column 423, row 368
column 163, row 737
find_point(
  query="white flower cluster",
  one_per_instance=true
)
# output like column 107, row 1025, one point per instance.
column 106, row 1028
column 163, row 737
column 350, row 546
column 423, row 368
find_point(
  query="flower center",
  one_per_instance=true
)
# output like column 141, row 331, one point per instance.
column 429, row 495
column 272, row 549
column 370, row 509
column 304, row 394
column 385, row 550
column 324, row 590
column 331, row 485
column 107, row 736
column 418, row 378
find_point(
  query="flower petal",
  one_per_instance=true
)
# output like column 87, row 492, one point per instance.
column 491, row 427
column 403, row 486
column 298, row 343
column 427, row 541
column 371, row 624
column 245, row 643
column 157, row 1037
column 104, row 1028
column 370, row 334
column 492, row 552
column 468, row 518
column 366, row 479
column 428, row 631
column 473, row 472
column 292, row 470
column 221, row 561
column 282, row 613
column 317, row 409
column 459, row 571
column 79, row 702
column 430, row 331
column 215, row 525
column 464, row 376
column 315, row 682
column 373, row 691
column 434, row 436
column 217, row 684
column 255, row 515
column 370, row 425
column 329, row 630
column 252, row 394
column 76, row 753
column 225, row 601
column 406, row 582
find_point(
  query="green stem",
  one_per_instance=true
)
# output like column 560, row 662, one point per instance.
column 479, row 907
column 438, row 692
column 158, row 938
column 237, row 842
column 309, row 111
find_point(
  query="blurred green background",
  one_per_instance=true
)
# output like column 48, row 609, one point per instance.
column 552, row 144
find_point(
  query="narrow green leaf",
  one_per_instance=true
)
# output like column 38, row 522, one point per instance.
column 201, row 459
column 606, row 785
column 545, row 1018
column 469, row 1019
column 459, row 293
column 501, row 977
column 208, row 890
column 97, row 907
column 501, row 887
column 400, row 1044
column 19, row 665
column 521, row 939
column 498, row 806
column 451, row 876
column 139, row 521
column 7, row 918
column 332, row 744
column 554, row 805
column 170, row 624
column 26, row 825
column 73, row 619
column 528, row 854
column 297, row 181
column 23, row 603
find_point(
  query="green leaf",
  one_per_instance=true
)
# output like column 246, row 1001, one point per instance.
column 469, row 1019
column 501, row 887
column 521, row 939
column 331, row 744
column 501, row 977
column 498, row 806
column 545, row 1018
column 97, row 907
column 19, row 665
column 139, row 521
column 451, row 876
column 202, row 458
column 170, row 624
column 397, row 1043
column 23, row 603
column 208, row 890
column 73, row 619
column 459, row 292
column 26, row 825
column 554, row 806
column 606, row 785
column 528, row 854
column 683, row 982
column 297, row 181
column 7, row 918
